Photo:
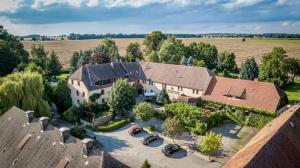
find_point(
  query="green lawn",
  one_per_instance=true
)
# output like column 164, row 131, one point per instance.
column 63, row 76
column 293, row 91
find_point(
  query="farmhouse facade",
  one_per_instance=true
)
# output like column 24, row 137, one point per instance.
column 182, row 83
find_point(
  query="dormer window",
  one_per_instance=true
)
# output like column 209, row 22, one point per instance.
column 235, row 92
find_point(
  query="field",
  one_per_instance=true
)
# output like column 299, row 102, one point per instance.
column 252, row 47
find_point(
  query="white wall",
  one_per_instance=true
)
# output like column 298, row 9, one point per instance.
column 81, row 88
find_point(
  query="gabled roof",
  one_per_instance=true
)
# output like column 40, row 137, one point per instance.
column 275, row 146
column 178, row 75
column 90, row 74
column 25, row 145
column 252, row 94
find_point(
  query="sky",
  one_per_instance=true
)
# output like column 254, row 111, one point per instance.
column 58, row 17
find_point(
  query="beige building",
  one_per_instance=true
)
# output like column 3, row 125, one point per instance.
column 182, row 83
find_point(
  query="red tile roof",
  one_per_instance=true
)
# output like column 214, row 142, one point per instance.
column 251, row 94
column 275, row 146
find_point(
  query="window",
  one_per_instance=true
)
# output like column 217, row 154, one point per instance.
column 151, row 90
column 83, row 94
column 144, row 81
column 72, row 81
column 164, row 86
column 150, row 82
column 102, row 91
column 178, row 88
column 78, row 83
column 193, row 91
column 172, row 88
column 78, row 101
column 103, row 101
column 77, row 92
column 197, row 91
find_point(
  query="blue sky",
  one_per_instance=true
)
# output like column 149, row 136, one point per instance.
column 56, row 17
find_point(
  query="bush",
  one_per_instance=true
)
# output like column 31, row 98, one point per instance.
column 152, row 128
column 71, row 115
column 200, row 128
column 210, row 143
column 146, row 164
column 258, row 120
column 144, row 111
column 78, row 132
column 216, row 119
column 113, row 126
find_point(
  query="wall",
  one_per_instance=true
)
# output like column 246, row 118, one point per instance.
column 82, row 89
column 171, row 90
column 104, row 96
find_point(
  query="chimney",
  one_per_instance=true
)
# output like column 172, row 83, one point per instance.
column 43, row 123
column 64, row 133
column 88, row 145
column 29, row 115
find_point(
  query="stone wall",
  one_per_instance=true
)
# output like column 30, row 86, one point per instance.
column 101, row 121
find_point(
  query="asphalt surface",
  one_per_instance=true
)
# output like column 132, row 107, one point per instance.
column 132, row 152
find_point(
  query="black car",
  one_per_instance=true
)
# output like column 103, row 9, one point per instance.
column 150, row 138
column 170, row 148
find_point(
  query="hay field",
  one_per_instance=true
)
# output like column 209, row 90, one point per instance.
column 252, row 47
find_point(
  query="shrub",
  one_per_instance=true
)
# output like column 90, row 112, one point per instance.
column 210, row 143
column 216, row 119
column 200, row 128
column 144, row 111
column 152, row 128
column 258, row 120
column 71, row 115
column 78, row 132
column 146, row 164
column 112, row 126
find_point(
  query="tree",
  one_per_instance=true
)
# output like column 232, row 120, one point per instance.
column 85, row 58
column 199, row 63
column 100, row 58
column 243, row 39
column 74, row 61
column 39, row 55
column 204, row 51
column 162, row 97
column 144, row 111
column 153, row 41
column 210, row 143
column 171, row 51
column 249, row 69
column 62, row 96
column 54, row 66
column 32, row 67
column 8, row 60
column 121, row 97
column 146, row 164
column 272, row 67
column 133, row 52
column 109, row 47
column 226, row 60
column 24, row 90
column 172, row 127
column 153, row 56
column 292, row 66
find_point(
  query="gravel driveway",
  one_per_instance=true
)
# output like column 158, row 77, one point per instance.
column 132, row 152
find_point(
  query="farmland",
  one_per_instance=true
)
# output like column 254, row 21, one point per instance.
column 252, row 47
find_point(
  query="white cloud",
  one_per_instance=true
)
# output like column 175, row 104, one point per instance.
column 10, row 5
column 285, row 24
column 40, row 4
column 240, row 3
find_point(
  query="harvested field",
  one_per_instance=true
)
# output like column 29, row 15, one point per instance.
column 252, row 47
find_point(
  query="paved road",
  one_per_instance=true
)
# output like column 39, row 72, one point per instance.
column 129, row 150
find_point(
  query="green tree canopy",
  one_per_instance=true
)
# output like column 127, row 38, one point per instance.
column 144, row 111
column 100, row 58
column 292, row 66
column 226, row 60
column 24, row 90
column 62, row 96
column 32, row 67
column 272, row 67
column 171, row 51
column 39, row 55
column 109, row 47
column 133, row 52
column 249, row 69
column 121, row 97
column 210, row 143
column 204, row 51
column 74, row 61
column 54, row 67
column 84, row 58
column 172, row 127
column 153, row 41
column 153, row 56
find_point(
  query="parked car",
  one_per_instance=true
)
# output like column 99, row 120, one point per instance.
column 135, row 129
column 150, row 138
column 170, row 148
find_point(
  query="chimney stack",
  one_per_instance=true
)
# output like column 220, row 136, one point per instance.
column 88, row 145
column 29, row 116
column 43, row 123
column 64, row 133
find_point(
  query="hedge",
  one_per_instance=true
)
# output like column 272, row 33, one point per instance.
column 241, row 115
column 113, row 126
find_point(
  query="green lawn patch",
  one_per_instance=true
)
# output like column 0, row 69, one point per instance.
column 293, row 91
column 113, row 126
